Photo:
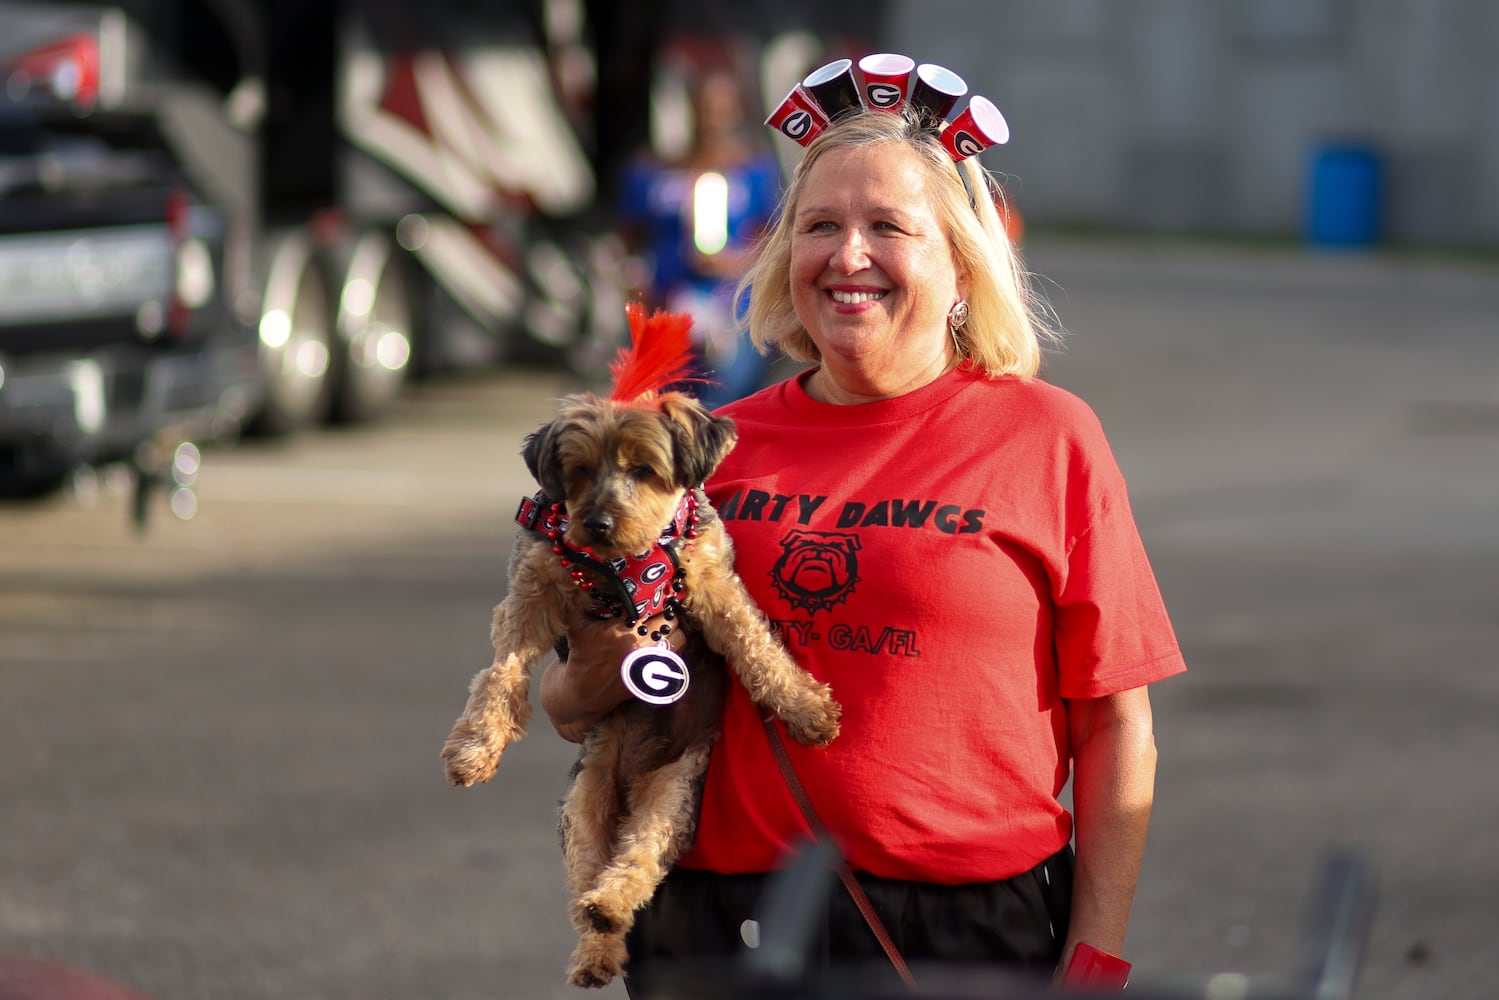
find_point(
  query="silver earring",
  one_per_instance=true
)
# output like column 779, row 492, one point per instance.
column 957, row 316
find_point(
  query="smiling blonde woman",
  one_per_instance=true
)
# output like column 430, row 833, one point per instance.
column 946, row 540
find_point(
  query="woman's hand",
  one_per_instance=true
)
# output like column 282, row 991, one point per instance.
column 579, row 691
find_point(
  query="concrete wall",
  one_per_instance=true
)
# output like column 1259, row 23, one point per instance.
column 1205, row 116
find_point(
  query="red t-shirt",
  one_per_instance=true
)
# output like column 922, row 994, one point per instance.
column 954, row 563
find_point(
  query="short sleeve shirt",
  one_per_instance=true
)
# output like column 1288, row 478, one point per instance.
column 955, row 563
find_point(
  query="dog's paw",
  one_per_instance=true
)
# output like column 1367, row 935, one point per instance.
column 597, row 960
column 469, row 756
column 819, row 726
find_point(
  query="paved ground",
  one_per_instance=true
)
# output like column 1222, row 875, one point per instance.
column 218, row 741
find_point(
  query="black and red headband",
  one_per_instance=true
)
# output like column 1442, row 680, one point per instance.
column 886, row 81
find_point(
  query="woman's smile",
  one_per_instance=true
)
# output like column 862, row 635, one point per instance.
column 855, row 297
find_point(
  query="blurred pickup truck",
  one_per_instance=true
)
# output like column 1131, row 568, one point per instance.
column 115, row 324
column 263, row 215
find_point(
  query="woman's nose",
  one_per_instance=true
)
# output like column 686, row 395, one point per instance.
column 852, row 254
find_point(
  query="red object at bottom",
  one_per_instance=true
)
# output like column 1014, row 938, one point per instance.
column 1095, row 971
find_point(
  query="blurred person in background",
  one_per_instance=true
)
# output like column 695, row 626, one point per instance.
column 947, row 540
column 692, row 219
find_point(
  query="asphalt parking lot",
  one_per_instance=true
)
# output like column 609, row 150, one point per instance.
column 218, row 739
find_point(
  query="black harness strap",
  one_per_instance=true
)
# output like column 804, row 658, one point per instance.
column 621, row 602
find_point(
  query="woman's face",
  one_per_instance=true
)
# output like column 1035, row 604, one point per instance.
column 872, row 274
column 717, row 103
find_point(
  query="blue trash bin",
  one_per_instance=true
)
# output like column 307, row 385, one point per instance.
column 1345, row 196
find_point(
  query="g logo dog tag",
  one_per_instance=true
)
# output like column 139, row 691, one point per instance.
column 655, row 674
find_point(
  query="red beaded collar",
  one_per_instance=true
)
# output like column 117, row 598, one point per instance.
column 640, row 586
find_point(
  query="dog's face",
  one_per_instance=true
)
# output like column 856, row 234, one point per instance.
column 622, row 468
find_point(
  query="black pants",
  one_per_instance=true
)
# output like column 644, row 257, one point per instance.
column 697, row 920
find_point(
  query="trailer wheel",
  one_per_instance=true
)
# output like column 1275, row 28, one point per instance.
column 376, row 320
column 296, row 338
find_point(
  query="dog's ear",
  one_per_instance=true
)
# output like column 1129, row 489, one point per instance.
column 540, row 453
column 699, row 439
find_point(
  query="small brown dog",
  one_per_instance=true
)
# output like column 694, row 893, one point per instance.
column 620, row 478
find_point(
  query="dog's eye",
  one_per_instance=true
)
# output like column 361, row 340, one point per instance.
column 642, row 472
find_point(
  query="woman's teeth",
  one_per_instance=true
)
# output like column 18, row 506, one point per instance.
column 852, row 297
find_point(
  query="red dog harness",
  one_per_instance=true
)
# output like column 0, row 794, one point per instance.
column 635, row 587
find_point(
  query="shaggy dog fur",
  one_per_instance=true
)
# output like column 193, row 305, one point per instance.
column 622, row 468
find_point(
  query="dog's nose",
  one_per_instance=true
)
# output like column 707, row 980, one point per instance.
column 600, row 525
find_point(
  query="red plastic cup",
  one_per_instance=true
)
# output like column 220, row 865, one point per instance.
column 887, row 75
column 798, row 117
column 976, row 129
column 1095, row 971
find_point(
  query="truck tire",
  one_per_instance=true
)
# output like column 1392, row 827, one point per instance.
column 296, row 337
column 377, row 315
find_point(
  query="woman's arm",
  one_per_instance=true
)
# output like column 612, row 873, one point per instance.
column 1113, row 789
column 579, row 691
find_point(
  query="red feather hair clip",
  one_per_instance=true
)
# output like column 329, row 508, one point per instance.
column 659, row 355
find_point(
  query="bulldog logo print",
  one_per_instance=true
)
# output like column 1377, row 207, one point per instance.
column 817, row 569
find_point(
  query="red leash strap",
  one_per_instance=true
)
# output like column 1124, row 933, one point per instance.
column 844, row 872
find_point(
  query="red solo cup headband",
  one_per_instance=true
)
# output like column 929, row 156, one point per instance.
column 834, row 89
column 826, row 93
column 886, row 77
column 934, row 92
column 798, row 117
column 975, row 130
column 888, row 81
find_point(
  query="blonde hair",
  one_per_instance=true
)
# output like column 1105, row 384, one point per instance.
column 1007, row 322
